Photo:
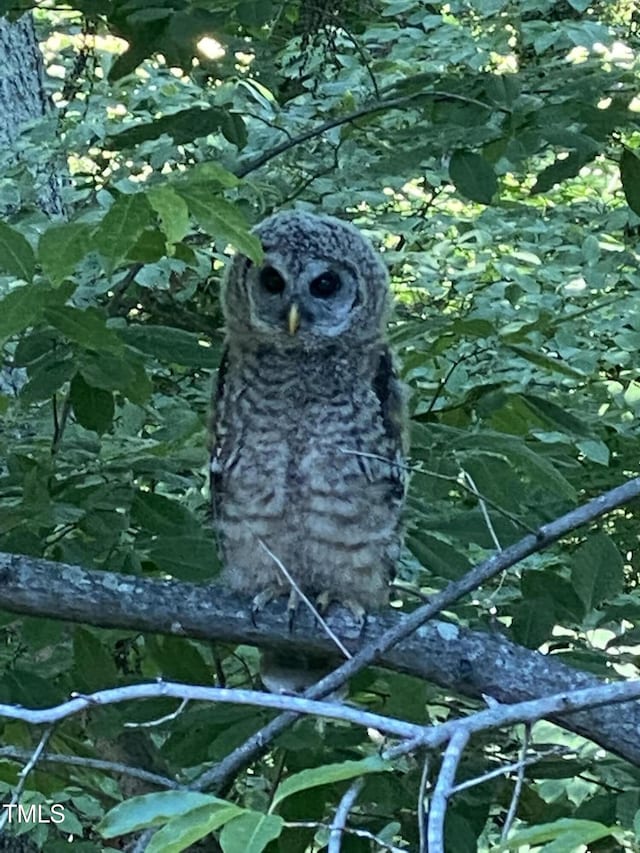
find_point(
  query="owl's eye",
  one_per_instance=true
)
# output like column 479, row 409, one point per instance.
column 271, row 280
column 325, row 285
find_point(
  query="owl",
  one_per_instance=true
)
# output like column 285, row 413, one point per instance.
column 307, row 466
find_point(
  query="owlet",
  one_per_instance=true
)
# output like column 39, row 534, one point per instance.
column 307, row 464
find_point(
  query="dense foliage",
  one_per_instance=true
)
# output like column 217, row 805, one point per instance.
column 489, row 149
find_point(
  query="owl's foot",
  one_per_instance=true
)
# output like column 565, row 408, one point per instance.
column 355, row 608
column 321, row 605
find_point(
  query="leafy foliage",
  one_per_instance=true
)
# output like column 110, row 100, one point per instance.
column 490, row 148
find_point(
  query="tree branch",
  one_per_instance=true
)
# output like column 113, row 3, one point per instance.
column 444, row 653
column 371, row 652
column 368, row 109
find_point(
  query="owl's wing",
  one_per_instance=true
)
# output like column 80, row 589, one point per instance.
column 216, row 442
column 389, row 392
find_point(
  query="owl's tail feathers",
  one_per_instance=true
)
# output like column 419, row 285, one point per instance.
column 293, row 672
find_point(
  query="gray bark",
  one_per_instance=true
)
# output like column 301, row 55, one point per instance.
column 468, row 662
column 22, row 100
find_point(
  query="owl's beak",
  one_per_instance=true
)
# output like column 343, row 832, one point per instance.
column 293, row 319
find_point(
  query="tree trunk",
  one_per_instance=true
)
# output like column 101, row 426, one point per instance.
column 23, row 100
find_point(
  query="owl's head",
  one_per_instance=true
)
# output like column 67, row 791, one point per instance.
column 320, row 278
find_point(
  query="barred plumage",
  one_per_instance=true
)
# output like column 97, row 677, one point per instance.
column 308, row 417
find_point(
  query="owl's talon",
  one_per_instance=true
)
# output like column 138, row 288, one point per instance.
column 358, row 612
column 261, row 599
column 354, row 607
column 323, row 601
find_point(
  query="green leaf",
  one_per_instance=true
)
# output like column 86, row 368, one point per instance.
column 569, row 834
column 533, row 621
column 62, row 247
column 221, row 220
column 234, row 129
column 473, row 177
column 183, row 126
column 47, row 377
column 162, row 515
column 250, row 831
column 85, row 327
column 560, row 170
column 153, row 809
column 140, row 389
column 94, row 667
column 122, row 225
column 19, row 308
column 597, row 570
column 172, row 211
column 106, row 370
column 183, row 831
column 326, row 774
column 540, row 359
column 16, row 255
column 188, row 557
column 171, row 345
column 595, row 450
column 630, row 177
column 438, row 557
column 206, row 173
column 93, row 407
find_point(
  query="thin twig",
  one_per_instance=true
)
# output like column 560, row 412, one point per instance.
column 342, row 814
column 510, row 768
column 483, row 509
column 59, row 421
column 366, row 61
column 11, row 752
column 359, row 833
column 369, row 109
column 148, row 724
column 23, row 774
column 517, row 788
column 314, row 610
column 445, row 379
column 140, row 844
column 422, row 814
column 442, row 792
column 418, row 469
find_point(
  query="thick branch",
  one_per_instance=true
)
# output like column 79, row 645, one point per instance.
column 469, row 662
column 218, row 777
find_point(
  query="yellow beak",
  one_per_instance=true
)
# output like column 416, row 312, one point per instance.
column 293, row 319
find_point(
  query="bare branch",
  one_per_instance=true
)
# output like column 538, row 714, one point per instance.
column 17, row 754
column 530, row 544
column 483, row 509
column 511, row 768
column 359, row 833
column 414, row 736
column 422, row 812
column 342, row 814
column 444, row 653
column 23, row 774
column 517, row 788
column 149, row 724
column 442, row 791
column 368, row 109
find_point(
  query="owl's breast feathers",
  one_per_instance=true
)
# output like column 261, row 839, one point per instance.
column 308, row 457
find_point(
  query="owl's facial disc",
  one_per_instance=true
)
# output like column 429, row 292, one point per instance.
column 311, row 301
